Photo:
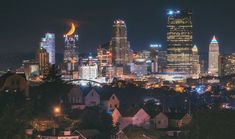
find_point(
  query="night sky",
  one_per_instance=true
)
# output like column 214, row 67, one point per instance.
column 23, row 23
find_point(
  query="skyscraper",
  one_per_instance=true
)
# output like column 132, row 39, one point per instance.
column 43, row 60
column 70, row 52
column 48, row 43
column 196, row 70
column 213, row 64
column 179, row 40
column 119, row 43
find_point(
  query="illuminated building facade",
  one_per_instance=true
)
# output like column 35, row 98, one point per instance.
column 213, row 64
column 227, row 65
column 43, row 61
column 70, row 52
column 104, row 56
column 88, row 70
column 48, row 43
column 179, row 40
column 119, row 44
column 196, row 70
column 154, row 49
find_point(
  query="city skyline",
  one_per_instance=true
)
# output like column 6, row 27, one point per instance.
column 96, row 23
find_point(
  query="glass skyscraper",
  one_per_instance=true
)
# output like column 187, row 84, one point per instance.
column 179, row 40
column 48, row 43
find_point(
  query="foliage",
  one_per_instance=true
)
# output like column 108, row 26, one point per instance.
column 15, row 115
column 133, row 132
column 52, row 92
column 212, row 124
column 96, row 118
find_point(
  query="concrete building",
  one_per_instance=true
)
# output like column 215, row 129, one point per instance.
column 196, row 70
column 227, row 64
column 43, row 60
column 119, row 44
column 104, row 56
column 213, row 61
column 88, row 72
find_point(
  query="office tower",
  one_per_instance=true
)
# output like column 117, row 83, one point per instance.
column 227, row 64
column 195, row 71
column 154, row 49
column 162, row 61
column 43, row 60
column 48, row 43
column 179, row 40
column 70, row 52
column 213, row 64
column 104, row 56
column 119, row 44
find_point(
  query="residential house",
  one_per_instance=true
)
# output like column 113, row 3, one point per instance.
column 92, row 98
column 81, row 134
column 178, row 119
column 116, row 116
column 75, row 98
column 160, row 121
column 135, row 117
column 111, row 102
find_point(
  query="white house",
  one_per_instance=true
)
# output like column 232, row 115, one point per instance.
column 92, row 98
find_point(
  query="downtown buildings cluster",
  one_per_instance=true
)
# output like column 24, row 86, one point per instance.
column 116, row 59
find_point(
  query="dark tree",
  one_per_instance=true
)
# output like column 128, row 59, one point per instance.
column 212, row 124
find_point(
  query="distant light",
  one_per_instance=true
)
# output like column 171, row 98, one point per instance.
column 170, row 12
column 200, row 89
column 214, row 40
column 148, row 61
column 155, row 45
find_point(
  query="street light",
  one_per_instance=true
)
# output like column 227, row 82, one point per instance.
column 56, row 112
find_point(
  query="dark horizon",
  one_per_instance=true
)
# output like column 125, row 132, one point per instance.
column 24, row 23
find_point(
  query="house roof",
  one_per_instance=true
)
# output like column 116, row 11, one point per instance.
column 89, row 133
column 130, row 112
column 85, row 93
column 175, row 116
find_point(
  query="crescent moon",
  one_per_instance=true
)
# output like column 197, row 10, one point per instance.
column 72, row 30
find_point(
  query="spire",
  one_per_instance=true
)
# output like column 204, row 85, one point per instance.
column 214, row 40
column 194, row 49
